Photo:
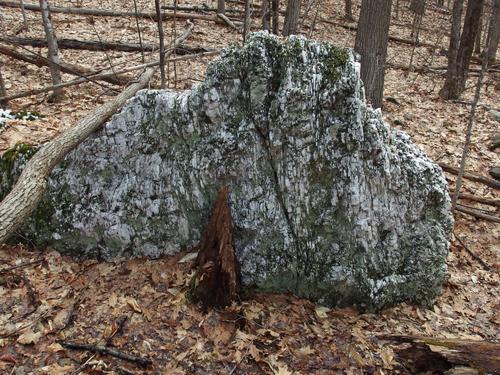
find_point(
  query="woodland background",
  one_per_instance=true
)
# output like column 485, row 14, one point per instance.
column 139, row 306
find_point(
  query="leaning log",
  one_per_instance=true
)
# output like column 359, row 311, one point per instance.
column 74, row 69
column 217, row 279
column 18, row 205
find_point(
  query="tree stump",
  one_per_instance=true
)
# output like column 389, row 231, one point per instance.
column 217, row 279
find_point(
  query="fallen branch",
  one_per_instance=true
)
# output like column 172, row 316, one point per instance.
column 22, row 265
column 143, row 362
column 475, row 198
column 476, row 213
column 89, row 45
column 17, row 206
column 484, row 180
column 79, row 81
column 114, row 13
column 227, row 21
column 472, row 254
column 65, row 67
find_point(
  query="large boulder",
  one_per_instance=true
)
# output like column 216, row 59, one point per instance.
column 328, row 202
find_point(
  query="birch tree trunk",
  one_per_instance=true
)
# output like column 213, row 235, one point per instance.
column 371, row 44
column 291, row 17
column 53, row 55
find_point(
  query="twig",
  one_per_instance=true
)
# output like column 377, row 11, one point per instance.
column 22, row 265
column 32, row 294
column 472, row 254
column 143, row 362
column 138, row 30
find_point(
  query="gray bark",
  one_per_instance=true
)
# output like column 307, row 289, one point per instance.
column 3, row 91
column 246, row 23
column 25, row 21
column 53, row 54
column 266, row 15
column 162, row 45
column 221, row 6
column 494, row 32
column 275, row 5
column 291, row 17
column 371, row 44
column 459, row 67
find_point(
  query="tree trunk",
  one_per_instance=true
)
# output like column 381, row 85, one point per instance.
column 291, row 17
column 266, row 15
column 221, row 6
column 18, row 205
column 275, row 4
column 348, row 10
column 53, row 54
column 25, row 21
column 246, row 23
column 371, row 44
column 162, row 45
column 458, row 63
column 217, row 279
column 3, row 92
column 477, row 42
column 494, row 32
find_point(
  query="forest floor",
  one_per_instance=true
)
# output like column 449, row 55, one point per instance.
column 139, row 306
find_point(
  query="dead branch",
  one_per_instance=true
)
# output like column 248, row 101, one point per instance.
column 227, row 21
column 65, row 67
column 476, row 213
column 89, row 45
column 113, row 13
column 217, row 279
column 472, row 254
column 22, row 265
column 79, row 81
column 473, row 177
column 27, row 192
column 475, row 198
column 143, row 362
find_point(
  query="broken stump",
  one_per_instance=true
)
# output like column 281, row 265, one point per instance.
column 216, row 282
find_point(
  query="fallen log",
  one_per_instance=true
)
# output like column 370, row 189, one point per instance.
column 17, row 206
column 476, row 213
column 217, row 279
column 89, row 45
column 473, row 177
column 65, row 67
column 114, row 13
column 437, row 355
column 474, row 198
column 79, row 81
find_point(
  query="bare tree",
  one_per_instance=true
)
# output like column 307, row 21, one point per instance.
column 477, row 42
column 53, row 55
column 275, row 5
column 266, row 15
column 162, row 45
column 221, row 6
column 25, row 21
column 348, row 10
column 3, row 92
column 246, row 23
column 494, row 32
column 371, row 44
column 291, row 17
column 459, row 54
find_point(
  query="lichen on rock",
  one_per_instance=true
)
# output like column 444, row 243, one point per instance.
column 328, row 202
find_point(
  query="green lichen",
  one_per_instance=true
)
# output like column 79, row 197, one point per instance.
column 335, row 61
